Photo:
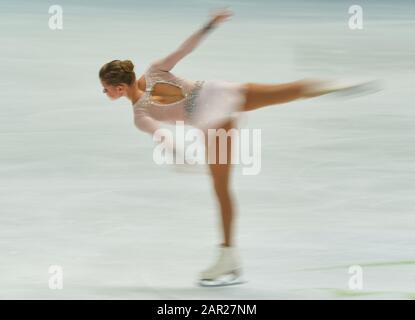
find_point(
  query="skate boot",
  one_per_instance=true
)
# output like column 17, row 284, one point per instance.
column 227, row 270
column 344, row 88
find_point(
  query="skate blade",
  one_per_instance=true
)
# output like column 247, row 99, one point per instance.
column 221, row 282
column 359, row 89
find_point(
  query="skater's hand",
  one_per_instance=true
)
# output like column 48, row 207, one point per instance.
column 220, row 15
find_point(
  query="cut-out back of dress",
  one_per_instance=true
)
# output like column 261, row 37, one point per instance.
column 158, row 85
column 155, row 77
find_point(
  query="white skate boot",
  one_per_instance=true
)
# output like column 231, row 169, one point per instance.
column 227, row 270
column 344, row 88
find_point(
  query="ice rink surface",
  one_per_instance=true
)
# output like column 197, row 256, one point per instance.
column 79, row 188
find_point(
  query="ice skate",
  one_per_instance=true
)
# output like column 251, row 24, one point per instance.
column 227, row 270
column 340, row 87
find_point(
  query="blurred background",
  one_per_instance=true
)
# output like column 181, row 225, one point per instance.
column 79, row 188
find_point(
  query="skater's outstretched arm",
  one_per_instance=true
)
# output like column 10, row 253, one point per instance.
column 167, row 63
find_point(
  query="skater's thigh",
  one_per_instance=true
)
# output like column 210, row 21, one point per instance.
column 220, row 167
column 258, row 95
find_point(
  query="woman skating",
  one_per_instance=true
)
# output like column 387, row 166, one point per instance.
column 159, row 95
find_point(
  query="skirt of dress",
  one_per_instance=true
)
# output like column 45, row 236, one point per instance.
column 218, row 101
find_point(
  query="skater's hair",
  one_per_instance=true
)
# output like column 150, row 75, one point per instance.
column 117, row 72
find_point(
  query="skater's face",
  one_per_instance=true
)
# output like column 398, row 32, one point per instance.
column 113, row 92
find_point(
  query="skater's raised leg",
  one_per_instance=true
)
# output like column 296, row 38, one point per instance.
column 260, row 95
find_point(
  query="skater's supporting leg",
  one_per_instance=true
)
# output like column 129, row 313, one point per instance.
column 220, row 174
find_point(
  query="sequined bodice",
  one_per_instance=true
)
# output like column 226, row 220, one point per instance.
column 154, row 76
column 172, row 111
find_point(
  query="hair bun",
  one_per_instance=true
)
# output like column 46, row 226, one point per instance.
column 127, row 65
column 117, row 72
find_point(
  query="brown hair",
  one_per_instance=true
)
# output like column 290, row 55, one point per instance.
column 117, row 72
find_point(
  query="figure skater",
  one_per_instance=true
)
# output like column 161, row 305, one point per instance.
column 158, row 95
